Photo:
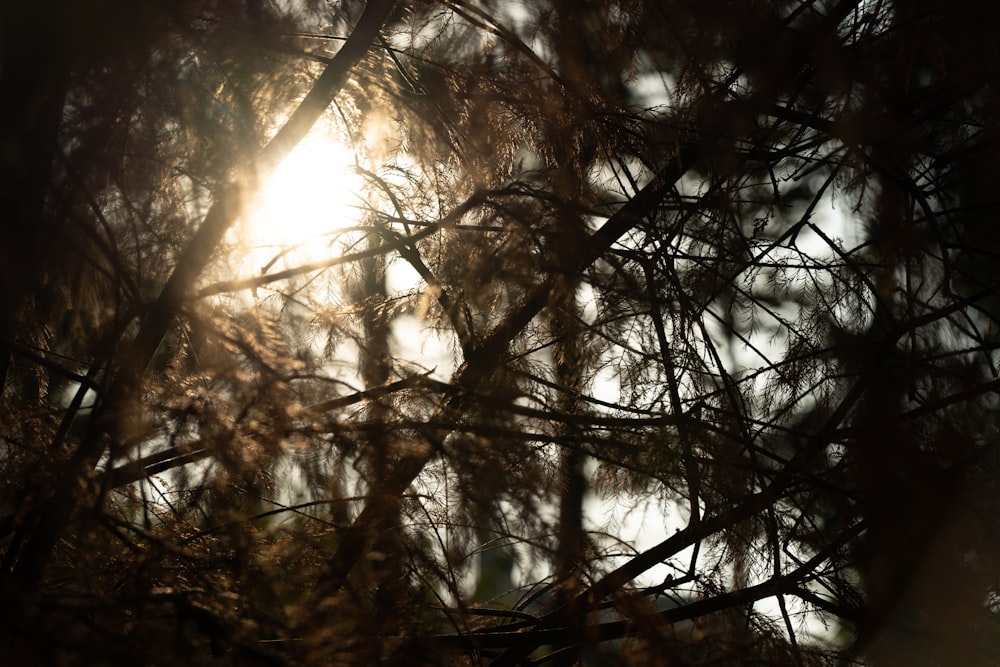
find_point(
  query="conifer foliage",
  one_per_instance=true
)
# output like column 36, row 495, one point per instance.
column 654, row 332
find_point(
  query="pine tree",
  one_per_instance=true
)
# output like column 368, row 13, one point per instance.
column 731, row 262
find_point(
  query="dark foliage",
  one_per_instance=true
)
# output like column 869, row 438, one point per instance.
column 727, row 269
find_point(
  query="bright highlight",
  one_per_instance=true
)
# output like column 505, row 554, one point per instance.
column 304, row 207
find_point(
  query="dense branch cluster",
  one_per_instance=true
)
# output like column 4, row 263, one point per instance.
column 664, row 334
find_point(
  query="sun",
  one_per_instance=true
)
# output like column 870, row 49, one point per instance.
column 304, row 208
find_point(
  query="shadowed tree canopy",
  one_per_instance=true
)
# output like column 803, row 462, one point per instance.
column 640, row 333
